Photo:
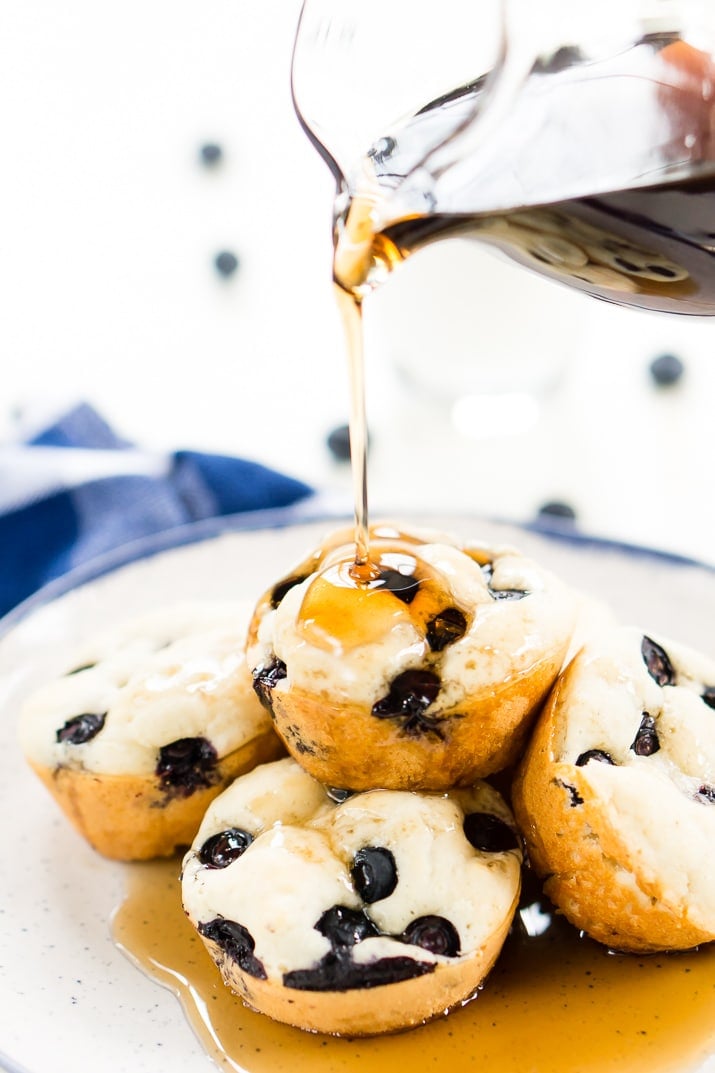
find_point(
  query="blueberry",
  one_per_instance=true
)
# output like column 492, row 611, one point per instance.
column 283, row 587
column 666, row 370
column 404, row 586
column 489, row 833
column 339, row 973
column 706, row 795
column 236, row 942
column 338, row 794
column 226, row 263
column 383, row 148
column 411, row 693
column 81, row 728
column 187, row 765
column 657, row 662
column 501, row 594
column 556, row 508
column 445, row 628
column 646, row 740
column 575, row 798
column 339, row 443
column 265, row 678
column 374, row 873
column 211, row 154
column 227, row 846
column 433, row 933
column 595, row 754
column 708, row 695
column 345, row 927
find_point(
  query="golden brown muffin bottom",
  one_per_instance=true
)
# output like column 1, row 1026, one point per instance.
column 585, row 862
column 130, row 817
column 367, row 1011
column 345, row 745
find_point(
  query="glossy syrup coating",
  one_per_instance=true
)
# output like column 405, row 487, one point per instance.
column 420, row 670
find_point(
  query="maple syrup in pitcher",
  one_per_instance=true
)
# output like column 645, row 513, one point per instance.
column 630, row 139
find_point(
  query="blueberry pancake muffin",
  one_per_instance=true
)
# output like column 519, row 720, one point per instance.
column 148, row 724
column 352, row 914
column 616, row 794
column 421, row 671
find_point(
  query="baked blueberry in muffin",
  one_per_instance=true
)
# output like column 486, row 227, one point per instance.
column 147, row 724
column 616, row 794
column 423, row 670
column 359, row 917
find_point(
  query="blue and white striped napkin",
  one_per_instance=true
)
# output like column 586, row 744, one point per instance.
column 76, row 490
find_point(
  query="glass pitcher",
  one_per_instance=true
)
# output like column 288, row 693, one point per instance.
column 579, row 140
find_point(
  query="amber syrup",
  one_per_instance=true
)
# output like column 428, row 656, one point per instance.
column 554, row 1003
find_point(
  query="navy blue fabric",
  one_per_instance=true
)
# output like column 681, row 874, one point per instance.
column 44, row 538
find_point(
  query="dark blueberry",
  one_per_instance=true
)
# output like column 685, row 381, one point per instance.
column 555, row 508
column 706, row 794
column 345, row 927
column 666, row 370
column 575, row 798
column 81, row 728
column 211, row 154
column 374, row 873
column 236, row 942
column 646, row 740
column 338, row 794
column 225, row 847
column 284, row 586
column 339, row 443
column 501, row 594
column 187, row 765
column 383, row 148
column 411, row 693
column 445, row 628
column 78, row 670
column 489, row 833
column 656, row 660
column 595, row 754
column 336, row 973
column 403, row 586
column 265, row 678
column 433, row 933
column 708, row 696
column 226, row 263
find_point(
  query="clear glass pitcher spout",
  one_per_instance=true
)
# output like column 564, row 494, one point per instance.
column 461, row 114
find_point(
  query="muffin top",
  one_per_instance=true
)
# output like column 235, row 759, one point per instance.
column 149, row 695
column 334, row 894
column 471, row 613
column 633, row 737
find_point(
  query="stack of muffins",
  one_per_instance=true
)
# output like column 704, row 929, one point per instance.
column 367, row 881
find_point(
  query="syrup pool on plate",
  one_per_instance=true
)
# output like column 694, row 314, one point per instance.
column 554, row 1003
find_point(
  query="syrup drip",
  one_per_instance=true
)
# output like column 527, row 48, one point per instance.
column 555, row 1003
column 350, row 307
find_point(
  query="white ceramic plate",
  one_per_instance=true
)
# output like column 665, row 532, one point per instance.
column 69, row 1000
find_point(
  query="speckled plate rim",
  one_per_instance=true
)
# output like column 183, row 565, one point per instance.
column 56, row 954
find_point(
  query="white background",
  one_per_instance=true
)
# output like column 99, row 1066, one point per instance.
column 108, row 291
